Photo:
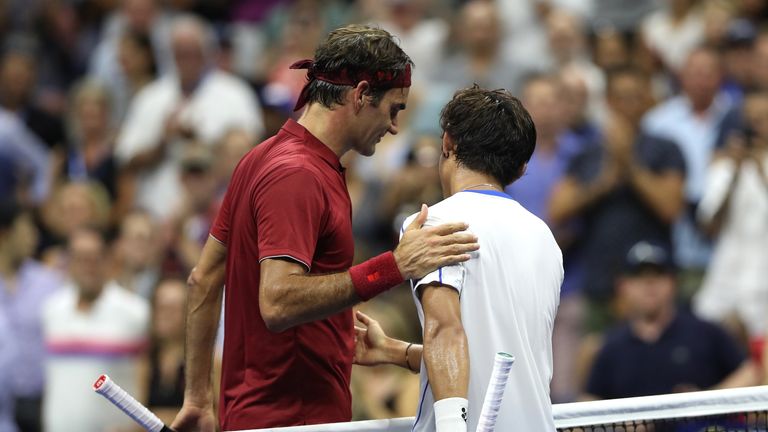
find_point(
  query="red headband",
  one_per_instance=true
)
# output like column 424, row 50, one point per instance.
column 378, row 80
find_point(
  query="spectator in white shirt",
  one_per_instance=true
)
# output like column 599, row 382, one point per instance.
column 91, row 326
column 197, row 102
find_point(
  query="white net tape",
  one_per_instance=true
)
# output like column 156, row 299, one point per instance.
column 598, row 412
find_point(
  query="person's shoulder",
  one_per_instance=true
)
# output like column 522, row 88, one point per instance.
column 60, row 301
column 617, row 337
column 126, row 300
column 225, row 81
column 159, row 91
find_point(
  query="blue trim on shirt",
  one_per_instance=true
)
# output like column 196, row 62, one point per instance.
column 421, row 403
column 440, row 274
column 490, row 192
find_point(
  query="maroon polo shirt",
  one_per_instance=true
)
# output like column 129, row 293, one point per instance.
column 287, row 198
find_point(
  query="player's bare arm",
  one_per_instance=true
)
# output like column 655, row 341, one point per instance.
column 289, row 296
column 206, row 284
column 446, row 355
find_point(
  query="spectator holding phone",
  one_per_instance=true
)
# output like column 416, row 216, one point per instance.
column 734, row 210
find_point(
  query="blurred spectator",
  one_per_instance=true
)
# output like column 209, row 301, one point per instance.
column 479, row 57
column 674, row 31
column 628, row 189
column 165, row 380
column 139, row 68
column 661, row 349
column 734, row 208
column 611, row 196
column 230, row 149
column 92, row 326
column 138, row 254
column 421, row 36
column 568, row 48
column 299, row 36
column 611, row 48
column 554, row 149
column 738, row 43
column 197, row 103
column 199, row 205
column 72, row 205
column 91, row 138
column 622, row 15
column 760, row 62
column 415, row 183
column 24, row 287
column 18, row 76
column 30, row 174
column 145, row 22
column 7, row 359
column 582, row 109
column 697, row 120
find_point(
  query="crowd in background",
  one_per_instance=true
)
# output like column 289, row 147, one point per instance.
column 122, row 120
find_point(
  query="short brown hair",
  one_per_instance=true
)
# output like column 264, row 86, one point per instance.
column 356, row 48
column 493, row 132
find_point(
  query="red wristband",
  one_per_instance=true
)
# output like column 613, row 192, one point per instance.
column 375, row 276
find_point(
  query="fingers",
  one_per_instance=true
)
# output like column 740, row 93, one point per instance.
column 450, row 228
column 460, row 238
column 454, row 259
column 363, row 318
column 420, row 219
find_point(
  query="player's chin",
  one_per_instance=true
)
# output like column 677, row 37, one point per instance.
column 369, row 150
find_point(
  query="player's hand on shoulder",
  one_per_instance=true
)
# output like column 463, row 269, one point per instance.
column 192, row 418
column 423, row 250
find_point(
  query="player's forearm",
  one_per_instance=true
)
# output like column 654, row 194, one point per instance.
column 446, row 357
column 407, row 355
column 288, row 296
column 298, row 299
column 203, row 310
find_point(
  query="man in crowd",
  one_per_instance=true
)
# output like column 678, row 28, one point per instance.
column 627, row 189
column 661, row 349
column 91, row 326
column 25, row 285
column 283, row 244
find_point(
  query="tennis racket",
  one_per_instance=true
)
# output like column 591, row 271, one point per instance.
column 133, row 408
column 502, row 364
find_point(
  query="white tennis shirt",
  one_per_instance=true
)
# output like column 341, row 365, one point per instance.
column 509, row 293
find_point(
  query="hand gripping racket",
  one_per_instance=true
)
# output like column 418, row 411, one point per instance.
column 135, row 410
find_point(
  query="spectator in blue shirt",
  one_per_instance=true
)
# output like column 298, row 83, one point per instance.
column 661, row 349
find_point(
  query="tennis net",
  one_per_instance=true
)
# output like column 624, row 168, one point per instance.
column 733, row 410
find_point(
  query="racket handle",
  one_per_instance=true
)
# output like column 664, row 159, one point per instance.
column 133, row 408
column 495, row 393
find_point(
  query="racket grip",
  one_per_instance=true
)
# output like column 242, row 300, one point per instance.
column 133, row 408
column 495, row 393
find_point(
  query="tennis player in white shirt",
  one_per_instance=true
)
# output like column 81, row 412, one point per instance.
column 503, row 299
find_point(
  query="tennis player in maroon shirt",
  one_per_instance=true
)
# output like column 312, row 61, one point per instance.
column 282, row 244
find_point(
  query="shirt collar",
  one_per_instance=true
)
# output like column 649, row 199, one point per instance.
column 313, row 144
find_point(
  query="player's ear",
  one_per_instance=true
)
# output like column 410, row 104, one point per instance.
column 359, row 95
column 448, row 146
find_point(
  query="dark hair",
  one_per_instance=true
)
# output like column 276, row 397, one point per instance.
column 10, row 210
column 614, row 73
column 493, row 132
column 356, row 48
column 144, row 43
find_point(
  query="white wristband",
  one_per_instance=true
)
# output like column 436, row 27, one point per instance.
column 451, row 415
